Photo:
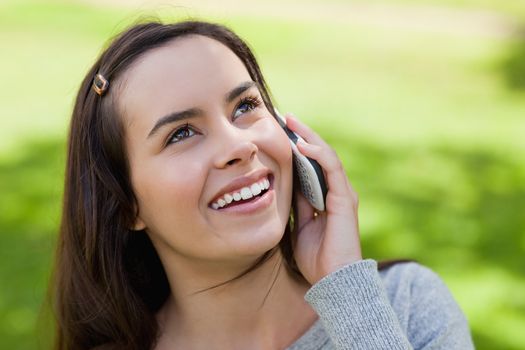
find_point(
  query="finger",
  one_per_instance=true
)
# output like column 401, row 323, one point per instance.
column 316, row 148
column 304, row 131
column 325, row 156
column 319, row 150
column 328, row 160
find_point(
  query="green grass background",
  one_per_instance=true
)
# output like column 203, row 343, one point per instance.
column 429, row 122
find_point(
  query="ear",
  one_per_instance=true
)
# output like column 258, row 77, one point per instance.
column 139, row 225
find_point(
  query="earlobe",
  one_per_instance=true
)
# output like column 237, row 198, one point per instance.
column 139, row 225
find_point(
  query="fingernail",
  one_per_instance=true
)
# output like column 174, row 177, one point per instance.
column 301, row 143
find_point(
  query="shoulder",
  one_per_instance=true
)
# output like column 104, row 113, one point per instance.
column 409, row 277
column 411, row 286
column 410, row 282
column 424, row 305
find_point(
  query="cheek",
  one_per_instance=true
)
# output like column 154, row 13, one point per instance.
column 277, row 145
column 166, row 191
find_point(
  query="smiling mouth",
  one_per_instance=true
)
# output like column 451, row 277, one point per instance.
column 244, row 195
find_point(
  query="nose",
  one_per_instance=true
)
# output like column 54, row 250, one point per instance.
column 236, row 146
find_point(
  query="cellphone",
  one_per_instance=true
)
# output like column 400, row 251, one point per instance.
column 310, row 174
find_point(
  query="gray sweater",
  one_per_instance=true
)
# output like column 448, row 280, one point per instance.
column 406, row 306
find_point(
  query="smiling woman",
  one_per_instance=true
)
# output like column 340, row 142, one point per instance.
column 182, row 229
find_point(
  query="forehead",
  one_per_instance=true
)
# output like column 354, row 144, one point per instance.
column 182, row 74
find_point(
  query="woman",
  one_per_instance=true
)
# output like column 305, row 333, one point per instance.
column 181, row 228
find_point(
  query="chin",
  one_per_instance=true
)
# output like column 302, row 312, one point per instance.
column 262, row 239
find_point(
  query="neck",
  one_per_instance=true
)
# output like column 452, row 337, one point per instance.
column 265, row 309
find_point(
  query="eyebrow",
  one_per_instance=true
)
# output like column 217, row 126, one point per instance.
column 193, row 112
column 232, row 95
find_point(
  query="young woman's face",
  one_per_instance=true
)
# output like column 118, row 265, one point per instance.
column 198, row 135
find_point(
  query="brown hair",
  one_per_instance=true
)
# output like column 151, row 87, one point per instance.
column 109, row 281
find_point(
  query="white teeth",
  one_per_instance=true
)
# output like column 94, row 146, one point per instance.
column 246, row 193
column 264, row 184
column 255, row 188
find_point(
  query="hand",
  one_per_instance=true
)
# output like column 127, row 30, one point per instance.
column 330, row 239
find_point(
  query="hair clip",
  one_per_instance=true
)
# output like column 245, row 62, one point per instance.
column 100, row 84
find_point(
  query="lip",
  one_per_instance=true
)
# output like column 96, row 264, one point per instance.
column 240, row 182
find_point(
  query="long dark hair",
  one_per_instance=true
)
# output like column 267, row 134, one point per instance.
column 108, row 280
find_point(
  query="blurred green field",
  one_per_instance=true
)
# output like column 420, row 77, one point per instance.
column 428, row 119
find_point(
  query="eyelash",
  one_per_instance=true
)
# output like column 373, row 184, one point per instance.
column 172, row 137
column 252, row 101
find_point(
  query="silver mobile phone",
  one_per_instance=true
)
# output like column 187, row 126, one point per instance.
column 310, row 174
